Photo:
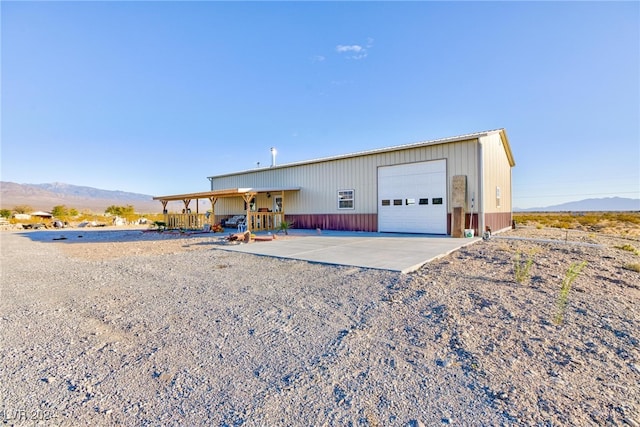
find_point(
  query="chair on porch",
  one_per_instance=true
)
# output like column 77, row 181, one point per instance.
column 234, row 221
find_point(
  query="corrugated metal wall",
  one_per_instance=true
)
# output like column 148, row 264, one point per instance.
column 319, row 182
column 497, row 174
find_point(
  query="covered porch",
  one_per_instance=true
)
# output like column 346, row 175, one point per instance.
column 257, row 218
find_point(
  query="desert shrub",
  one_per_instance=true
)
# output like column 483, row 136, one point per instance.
column 522, row 267
column 60, row 211
column 563, row 298
column 629, row 248
column 564, row 223
column 622, row 222
column 628, row 217
column 23, row 209
column 122, row 211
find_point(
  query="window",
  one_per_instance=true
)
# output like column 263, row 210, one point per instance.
column 386, row 202
column 423, row 202
column 345, row 199
column 498, row 194
column 436, row 200
column 397, row 202
column 410, row 202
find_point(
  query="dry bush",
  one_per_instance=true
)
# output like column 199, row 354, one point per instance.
column 618, row 223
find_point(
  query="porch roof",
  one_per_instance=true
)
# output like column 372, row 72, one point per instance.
column 229, row 192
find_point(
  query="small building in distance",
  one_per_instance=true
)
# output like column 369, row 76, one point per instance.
column 42, row 214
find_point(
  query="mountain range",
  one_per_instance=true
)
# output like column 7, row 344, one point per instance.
column 611, row 204
column 46, row 196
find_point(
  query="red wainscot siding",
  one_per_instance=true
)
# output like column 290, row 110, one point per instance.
column 341, row 222
column 498, row 220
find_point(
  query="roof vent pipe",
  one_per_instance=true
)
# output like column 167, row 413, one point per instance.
column 273, row 156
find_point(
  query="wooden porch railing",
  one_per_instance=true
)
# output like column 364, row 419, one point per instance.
column 258, row 221
column 186, row 221
column 261, row 221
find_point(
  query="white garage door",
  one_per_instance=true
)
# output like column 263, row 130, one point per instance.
column 412, row 198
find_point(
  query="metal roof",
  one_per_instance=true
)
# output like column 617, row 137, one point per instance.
column 448, row 140
column 229, row 192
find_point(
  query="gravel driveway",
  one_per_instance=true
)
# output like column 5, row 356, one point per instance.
column 141, row 329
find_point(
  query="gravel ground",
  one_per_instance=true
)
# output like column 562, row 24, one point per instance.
column 134, row 328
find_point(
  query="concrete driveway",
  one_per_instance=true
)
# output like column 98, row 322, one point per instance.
column 386, row 251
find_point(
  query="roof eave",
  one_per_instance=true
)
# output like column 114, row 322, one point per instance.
column 507, row 147
column 466, row 137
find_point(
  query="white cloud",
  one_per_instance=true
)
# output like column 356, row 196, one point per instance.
column 355, row 51
column 317, row 58
column 346, row 48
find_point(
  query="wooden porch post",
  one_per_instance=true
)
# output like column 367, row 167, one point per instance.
column 282, row 208
column 185, row 217
column 165, row 213
column 247, row 199
column 212, row 219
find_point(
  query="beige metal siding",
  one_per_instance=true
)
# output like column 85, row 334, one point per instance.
column 319, row 182
column 497, row 174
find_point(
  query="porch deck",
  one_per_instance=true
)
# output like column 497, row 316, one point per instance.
column 258, row 218
column 257, row 221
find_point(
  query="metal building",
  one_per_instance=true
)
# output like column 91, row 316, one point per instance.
column 442, row 186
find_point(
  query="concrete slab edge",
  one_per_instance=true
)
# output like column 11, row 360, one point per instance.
column 415, row 267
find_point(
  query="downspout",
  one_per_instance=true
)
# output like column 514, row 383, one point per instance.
column 210, row 178
column 480, row 198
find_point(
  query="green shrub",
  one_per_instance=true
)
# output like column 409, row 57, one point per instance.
column 632, row 267
column 629, row 248
column 284, row 226
column 563, row 298
column 521, row 267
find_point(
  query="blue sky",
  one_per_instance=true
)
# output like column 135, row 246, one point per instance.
column 153, row 97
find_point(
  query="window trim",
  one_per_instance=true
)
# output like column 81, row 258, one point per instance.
column 341, row 198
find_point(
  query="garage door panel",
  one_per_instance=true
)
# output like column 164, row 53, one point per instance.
column 415, row 181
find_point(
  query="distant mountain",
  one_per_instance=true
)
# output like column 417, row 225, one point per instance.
column 612, row 204
column 46, row 196
column 90, row 192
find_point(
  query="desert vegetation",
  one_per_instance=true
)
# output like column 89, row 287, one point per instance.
column 72, row 216
column 615, row 223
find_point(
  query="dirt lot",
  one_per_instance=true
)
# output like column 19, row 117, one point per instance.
column 134, row 328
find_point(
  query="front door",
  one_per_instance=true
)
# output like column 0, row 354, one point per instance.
column 277, row 207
